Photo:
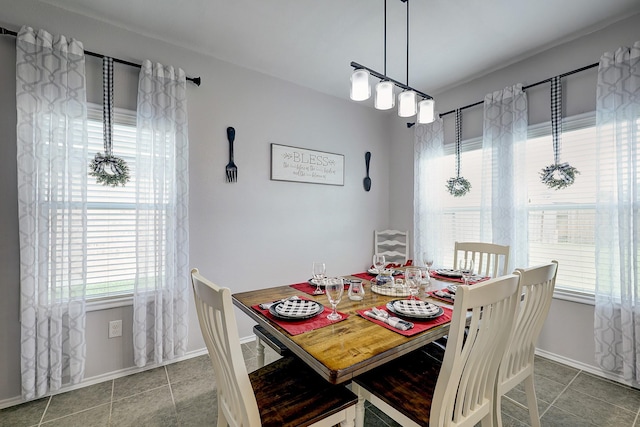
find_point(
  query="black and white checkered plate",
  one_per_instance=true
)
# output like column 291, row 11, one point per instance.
column 415, row 308
column 296, row 309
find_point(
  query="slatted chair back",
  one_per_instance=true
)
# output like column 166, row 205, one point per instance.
column 490, row 259
column 538, row 284
column 236, row 400
column 465, row 388
column 393, row 244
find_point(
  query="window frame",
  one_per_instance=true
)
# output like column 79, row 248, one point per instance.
column 577, row 122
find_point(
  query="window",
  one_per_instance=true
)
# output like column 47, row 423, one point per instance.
column 111, row 213
column 561, row 222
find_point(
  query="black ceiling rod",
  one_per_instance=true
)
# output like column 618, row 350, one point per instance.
column 195, row 80
column 568, row 73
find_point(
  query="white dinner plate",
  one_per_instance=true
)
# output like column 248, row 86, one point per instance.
column 449, row 273
column 296, row 309
column 415, row 308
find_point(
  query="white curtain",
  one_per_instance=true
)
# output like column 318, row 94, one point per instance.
column 503, row 216
column 162, row 244
column 617, row 312
column 427, row 203
column 52, row 181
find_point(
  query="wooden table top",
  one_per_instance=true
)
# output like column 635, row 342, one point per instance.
column 345, row 349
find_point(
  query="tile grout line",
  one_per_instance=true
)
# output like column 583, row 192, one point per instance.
column 45, row 411
column 560, row 394
column 113, row 386
column 173, row 400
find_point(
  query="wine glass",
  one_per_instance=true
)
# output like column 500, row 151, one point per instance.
column 317, row 273
column 334, row 288
column 378, row 262
column 465, row 265
column 412, row 278
column 427, row 259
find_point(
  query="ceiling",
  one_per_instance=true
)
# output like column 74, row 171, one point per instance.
column 312, row 42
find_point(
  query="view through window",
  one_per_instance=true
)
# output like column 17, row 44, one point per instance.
column 561, row 222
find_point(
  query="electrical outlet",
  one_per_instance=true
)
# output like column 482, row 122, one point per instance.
column 115, row 328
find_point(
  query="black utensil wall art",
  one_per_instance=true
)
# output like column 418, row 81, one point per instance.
column 231, row 169
column 367, row 180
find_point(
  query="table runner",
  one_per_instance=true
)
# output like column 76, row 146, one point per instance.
column 419, row 325
column 297, row 327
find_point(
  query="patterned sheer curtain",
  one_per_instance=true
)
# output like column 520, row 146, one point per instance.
column 617, row 312
column 503, row 215
column 162, row 188
column 52, row 182
column 427, row 204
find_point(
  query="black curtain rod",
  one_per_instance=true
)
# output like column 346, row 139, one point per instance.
column 568, row 73
column 194, row 80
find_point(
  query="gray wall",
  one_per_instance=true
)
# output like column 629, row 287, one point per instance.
column 568, row 332
column 254, row 233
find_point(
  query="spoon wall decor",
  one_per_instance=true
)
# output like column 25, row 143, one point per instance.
column 367, row 180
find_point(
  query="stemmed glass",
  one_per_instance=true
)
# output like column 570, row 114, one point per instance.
column 317, row 273
column 465, row 265
column 334, row 288
column 378, row 262
column 412, row 278
column 427, row 259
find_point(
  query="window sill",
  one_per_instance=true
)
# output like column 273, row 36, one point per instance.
column 573, row 296
column 108, row 303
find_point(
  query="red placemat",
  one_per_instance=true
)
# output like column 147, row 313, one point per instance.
column 445, row 299
column 435, row 275
column 365, row 275
column 308, row 288
column 297, row 327
column 418, row 325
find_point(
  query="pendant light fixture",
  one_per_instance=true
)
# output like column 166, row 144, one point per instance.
column 410, row 100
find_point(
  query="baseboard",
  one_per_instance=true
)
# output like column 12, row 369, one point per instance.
column 594, row 370
column 106, row 377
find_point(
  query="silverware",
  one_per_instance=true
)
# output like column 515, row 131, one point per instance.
column 231, row 169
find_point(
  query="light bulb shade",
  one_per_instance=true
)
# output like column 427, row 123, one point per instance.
column 426, row 111
column 360, row 88
column 407, row 103
column 385, row 98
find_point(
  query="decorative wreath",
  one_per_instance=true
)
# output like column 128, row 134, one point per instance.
column 108, row 169
column 558, row 176
column 458, row 186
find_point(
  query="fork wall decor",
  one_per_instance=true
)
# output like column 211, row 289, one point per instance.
column 231, row 170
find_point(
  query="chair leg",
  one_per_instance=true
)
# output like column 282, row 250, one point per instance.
column 497, row 410
column 260, row 352
column 350, row 415
column 532, row 402
column 359, row 406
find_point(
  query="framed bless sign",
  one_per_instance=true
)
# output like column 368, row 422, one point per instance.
column 303, row 165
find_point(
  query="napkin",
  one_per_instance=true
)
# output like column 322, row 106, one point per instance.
column 446, row 295
column 395, row 322
column 267, row 305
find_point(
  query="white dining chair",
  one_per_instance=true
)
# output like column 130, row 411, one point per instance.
column 393, row 244
column 457, row 391
column 283, row 393
column 538, row 284
column 490, row 259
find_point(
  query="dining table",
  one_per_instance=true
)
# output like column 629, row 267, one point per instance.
column 343, row 349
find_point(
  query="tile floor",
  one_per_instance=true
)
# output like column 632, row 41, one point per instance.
column 183, row 394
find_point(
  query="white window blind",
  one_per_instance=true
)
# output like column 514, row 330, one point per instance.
column 561, row 222
column 111, row 213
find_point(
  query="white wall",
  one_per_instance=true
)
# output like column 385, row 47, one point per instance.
column 253, row 233
column 568, row 331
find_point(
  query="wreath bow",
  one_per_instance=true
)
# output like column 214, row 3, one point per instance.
column 108, row 169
